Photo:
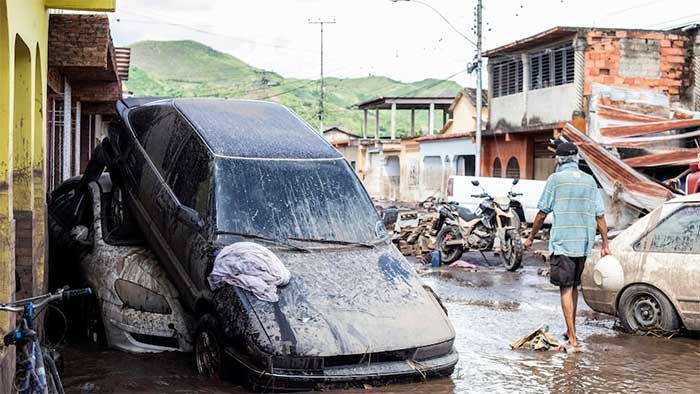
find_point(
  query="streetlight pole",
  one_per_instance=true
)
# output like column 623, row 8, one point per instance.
column 475, row 66
column 479, row 104
column 321, row 112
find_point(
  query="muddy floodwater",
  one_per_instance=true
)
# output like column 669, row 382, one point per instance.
column 489, row 308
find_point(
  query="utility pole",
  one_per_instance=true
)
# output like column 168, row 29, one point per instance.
column 321, row 111
column 477, row 170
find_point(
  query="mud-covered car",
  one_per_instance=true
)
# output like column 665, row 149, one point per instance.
column 201, row 174
column 651, row 281
column 135, row 307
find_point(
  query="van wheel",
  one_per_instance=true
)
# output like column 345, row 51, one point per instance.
column 643, row 308
column 208, row 348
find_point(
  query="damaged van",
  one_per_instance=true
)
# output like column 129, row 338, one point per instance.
column 201, row 174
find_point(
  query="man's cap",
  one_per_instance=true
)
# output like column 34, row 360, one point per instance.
column 566, row 149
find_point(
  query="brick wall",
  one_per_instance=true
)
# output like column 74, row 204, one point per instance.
column 638, row 59
column 77, row 40
column 96, row 91
column 520, row 146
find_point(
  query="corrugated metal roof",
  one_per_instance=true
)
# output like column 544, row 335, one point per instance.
column 123, row 58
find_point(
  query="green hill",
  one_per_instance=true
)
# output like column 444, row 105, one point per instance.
column 191, row 69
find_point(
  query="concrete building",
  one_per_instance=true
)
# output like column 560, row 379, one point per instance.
column 84, row 80
column 24, row 26
column 540, row 82
column 390, row 165
column 451, row 151
column 404, row 165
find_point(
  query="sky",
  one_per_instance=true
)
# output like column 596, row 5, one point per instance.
column 403, row 40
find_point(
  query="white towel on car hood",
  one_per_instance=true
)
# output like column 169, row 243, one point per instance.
column 251, row 267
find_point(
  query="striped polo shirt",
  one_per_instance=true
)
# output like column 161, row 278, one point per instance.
column 572, row 197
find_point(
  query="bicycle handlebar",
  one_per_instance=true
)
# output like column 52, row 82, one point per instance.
column 38, row 301
column 75, row 293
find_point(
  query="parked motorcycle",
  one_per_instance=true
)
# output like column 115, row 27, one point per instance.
column 495, row 217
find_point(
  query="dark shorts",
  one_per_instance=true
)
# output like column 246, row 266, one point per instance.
column 565, row 271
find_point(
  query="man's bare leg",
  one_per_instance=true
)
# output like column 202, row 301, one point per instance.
column 574, row 296
column 567, row 307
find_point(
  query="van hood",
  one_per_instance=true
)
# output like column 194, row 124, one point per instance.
column 349, row 301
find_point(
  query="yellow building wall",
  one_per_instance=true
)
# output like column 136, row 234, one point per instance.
column 23, row 69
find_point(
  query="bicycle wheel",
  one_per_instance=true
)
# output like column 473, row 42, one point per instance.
column 53, row 379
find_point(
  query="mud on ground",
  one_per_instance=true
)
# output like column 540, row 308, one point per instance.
column 489, row 308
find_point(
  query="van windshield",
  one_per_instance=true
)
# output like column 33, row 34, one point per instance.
column 305, row 199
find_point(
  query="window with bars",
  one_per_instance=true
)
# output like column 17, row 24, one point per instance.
column 552, row 67
column 507, row 78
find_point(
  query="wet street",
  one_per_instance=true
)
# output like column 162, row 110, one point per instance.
column 489, row 308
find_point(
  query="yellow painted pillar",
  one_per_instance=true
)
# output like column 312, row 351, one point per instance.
column 6, row 221
column 39, row 177
column 22, row 167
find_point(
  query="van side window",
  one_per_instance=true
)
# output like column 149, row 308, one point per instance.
column 190, row 176
column 678, row 233
column 160, row 130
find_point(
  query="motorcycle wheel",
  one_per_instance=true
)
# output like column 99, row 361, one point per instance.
column 512, row 250
column 449, row 254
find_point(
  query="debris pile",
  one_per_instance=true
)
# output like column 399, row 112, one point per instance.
column 538, row 340
column 636, row 145
column 415, row 238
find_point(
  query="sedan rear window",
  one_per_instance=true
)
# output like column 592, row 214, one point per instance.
column 319, row 199
column 678, row 233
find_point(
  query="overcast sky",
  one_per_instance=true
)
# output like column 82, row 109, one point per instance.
column 404, row 40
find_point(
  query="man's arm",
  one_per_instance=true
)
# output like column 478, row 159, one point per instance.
column 603, row 228
column 536, row 225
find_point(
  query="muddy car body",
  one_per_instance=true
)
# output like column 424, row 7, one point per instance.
column 202, row 174
column 651, row 281
column 136, row 308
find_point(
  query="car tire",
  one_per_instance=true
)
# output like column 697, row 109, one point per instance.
column 643, row 308
column 209, row 348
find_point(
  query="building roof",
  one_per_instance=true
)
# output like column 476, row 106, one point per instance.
column 442, row 137
column 407, row 102
column 553, row 34
column 253, row 129
column 470, row 93
column 339, row 130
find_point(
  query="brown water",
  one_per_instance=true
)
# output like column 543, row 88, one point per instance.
column 489, row 309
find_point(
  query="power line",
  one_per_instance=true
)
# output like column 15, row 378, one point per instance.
column 634, row 7
column 443, row 18
column 164, row 21
column 288, row 91
column 673, row 20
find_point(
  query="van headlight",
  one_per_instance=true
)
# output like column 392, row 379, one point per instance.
column 140, row 298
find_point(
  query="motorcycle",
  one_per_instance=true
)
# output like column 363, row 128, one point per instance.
column 495, row 217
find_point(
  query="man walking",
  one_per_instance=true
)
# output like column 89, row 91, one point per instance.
column 572, row 197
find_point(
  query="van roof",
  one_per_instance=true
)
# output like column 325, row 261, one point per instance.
column 253, row 129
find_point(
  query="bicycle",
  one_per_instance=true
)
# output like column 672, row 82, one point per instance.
column 36, row 370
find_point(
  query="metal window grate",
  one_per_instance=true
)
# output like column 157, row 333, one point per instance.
column 552, row 67
column 507, row 78
column 513, row 168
